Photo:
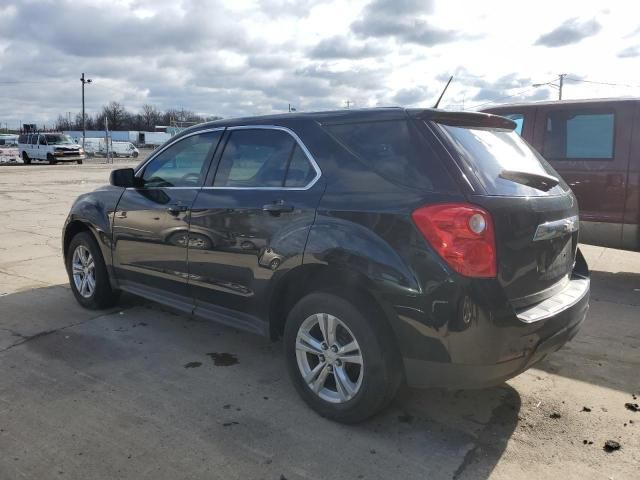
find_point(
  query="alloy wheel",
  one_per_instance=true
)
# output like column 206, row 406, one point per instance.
column 329, row 358
column 84, row 271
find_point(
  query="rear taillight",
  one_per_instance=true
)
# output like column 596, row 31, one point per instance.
column 462, row 234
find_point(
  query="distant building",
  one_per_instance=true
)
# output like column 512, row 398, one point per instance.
column 137, row 138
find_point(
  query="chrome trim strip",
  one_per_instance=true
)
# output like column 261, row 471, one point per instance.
column 557, row 228
column 561, row 301
column 295, row 137
column 304, row 148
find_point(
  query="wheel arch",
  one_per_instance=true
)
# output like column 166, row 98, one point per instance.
column 76, row 226
column 351, row 285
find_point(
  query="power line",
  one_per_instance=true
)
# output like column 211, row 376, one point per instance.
column 522, row 92
column 611, row 84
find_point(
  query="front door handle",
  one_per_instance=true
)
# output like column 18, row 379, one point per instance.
column 276, row 208
column 176, row 209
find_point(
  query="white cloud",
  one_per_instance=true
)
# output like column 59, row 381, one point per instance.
column 249, row 57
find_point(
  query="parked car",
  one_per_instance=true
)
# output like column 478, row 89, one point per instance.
column 93, row 146
column 124, row 149
column 9, row 155
column 98, row 147
column 383, row 245
column 50, row 147
column 595, row 146
column 8, row 140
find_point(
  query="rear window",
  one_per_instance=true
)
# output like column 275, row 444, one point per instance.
column 488, row 152
column 395, row 150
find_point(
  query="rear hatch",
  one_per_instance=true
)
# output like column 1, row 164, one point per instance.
column 534, row 212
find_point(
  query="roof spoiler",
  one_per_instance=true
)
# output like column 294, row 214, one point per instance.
column 465, row 119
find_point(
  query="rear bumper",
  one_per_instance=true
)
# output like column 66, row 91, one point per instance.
column 424, row 374
column 514, row 345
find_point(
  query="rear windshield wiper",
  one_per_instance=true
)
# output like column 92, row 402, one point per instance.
column 534, row 180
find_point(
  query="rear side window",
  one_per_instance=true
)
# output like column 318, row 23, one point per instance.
column 488, row 152
column 258, row 158
column 579, row 136
column 34, row 139
column 300, row 171
column 394, row 149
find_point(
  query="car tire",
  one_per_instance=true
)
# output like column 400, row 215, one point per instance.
column 26, row 159
column 135, row 155
column 79, row 162
column 348, row 392
column 85, row 260
column 50, row 159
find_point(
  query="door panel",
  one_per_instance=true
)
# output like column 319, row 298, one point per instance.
column 252, row 230
column 149, row 237
column 151, row 223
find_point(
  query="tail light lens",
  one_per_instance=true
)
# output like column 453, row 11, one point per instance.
column 462, row 234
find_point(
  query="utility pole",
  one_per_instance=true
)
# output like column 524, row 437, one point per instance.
column 560, row 85
column 84, row 123
column 348, row 102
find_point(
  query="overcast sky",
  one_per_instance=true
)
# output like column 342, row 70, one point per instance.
column 240, row 57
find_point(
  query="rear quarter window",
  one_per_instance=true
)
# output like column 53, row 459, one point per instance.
column 395, row 150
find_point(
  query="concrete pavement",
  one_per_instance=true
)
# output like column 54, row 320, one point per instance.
column 133, row 393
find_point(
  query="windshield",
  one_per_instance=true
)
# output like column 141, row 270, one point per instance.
column 59, row 140
column 489, row 152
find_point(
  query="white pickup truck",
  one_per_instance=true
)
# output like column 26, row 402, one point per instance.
column 49, row 147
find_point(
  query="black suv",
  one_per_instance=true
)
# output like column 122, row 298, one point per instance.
column 383, row 245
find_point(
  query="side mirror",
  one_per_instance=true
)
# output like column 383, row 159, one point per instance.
column 123, row 177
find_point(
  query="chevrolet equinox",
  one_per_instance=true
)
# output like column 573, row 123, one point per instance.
column 382, row 245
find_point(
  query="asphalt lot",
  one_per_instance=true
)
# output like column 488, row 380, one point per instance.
column 106, row 395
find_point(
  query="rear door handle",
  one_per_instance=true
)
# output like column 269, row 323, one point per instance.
column 176, row 209
column 276, row 208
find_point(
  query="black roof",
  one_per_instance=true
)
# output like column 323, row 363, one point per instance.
column 347, row 116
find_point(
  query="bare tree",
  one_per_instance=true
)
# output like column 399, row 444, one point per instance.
column 116, row 114
column 151, row 116
column 120, row 119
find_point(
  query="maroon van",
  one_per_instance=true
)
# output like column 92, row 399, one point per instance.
column 595, row 146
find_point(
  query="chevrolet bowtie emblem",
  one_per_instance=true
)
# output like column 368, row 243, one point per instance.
column 556, row 228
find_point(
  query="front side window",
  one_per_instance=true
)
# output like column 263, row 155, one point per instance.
column 519, row 119
column 263, row 158
column 183, row 164
column 579, row 136
column 34, row 139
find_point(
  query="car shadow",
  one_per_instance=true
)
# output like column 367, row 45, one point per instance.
column 605, row 350
column 139, row 372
